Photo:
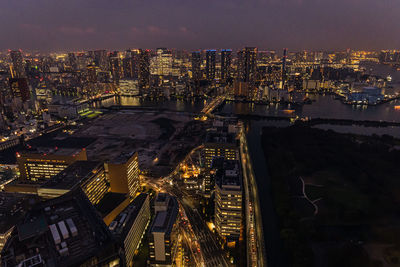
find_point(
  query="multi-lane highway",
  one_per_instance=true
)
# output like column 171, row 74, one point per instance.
column 212, row 253
column 256, row 254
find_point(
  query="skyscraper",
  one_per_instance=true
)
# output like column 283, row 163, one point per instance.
column 247, row 59
column 210, row 64
column 72, row 61
column 163, row 233
column 228, row 201
column 284, row 67
column 163, row 62
column 196, row 66
column 130, row 64
column 123, row 173
column 115, row 67
column 144, row 68
column 20, row 89
column 226, row 60
column 17, row 67
column 101, row 60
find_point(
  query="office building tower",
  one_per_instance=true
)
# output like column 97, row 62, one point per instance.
column 247, row 64
column 210, row 64
column 163, row 233
column 20, row 88
column 130, row 64
column 88, row 176
column 17, row 66
column 42, row 163
column 226, row 61
column 130, row 225
column 115, row 67
column 72, row 63
column 92, row 73
column 228, row 201
column 220, row 144
column 284, row 58
column 196, row 66
column 64, row 231
column 144, row 69
column 101, row 59
column 163, row 62
column 123, row 173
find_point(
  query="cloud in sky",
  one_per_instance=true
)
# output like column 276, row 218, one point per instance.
column 50, row 25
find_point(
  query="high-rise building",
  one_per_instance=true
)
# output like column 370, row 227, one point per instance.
column 163, row 233
column 284, row 58
column 226, row 61
column 20, row 89
column 72, row 63
column 163, row 62
column 196, row 66
column 247, row 64
column 115, row 67
column 43, row 163
column 101, row 59
column 144, row 69
column 17, row 67
column 92, row 73
column 130, row 64
column 210, row 64
column 123, row 173
column 228, row 201
column 130, row 225
column 89, row 176
column 220, row 143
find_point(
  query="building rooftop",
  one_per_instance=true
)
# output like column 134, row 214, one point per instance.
column 73, row 175
column 109, row 202
column 164, row 220
column 229, row 174
column 220, row 137
column 123, row 222
column 13, row 206
column 65, row 231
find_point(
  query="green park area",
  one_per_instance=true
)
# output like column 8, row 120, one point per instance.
column 348, row 213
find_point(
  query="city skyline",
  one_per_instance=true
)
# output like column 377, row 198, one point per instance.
column 303, row 25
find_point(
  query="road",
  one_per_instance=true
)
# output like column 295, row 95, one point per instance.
column 256, row 254
column 212, row 253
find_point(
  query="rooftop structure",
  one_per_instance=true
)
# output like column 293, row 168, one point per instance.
column 130, row 225
column 87, row 175
column 12, row 208
column 163, row 234
column 228, row 200
column 64, row 231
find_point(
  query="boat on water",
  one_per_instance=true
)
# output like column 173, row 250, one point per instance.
column 397, row 107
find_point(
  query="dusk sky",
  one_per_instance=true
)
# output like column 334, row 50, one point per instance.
column 57, row 25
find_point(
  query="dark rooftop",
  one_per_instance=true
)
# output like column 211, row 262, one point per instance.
column 229, row 174
column 123, row 222
column 109, row 202
column 65, row 231
column 73, row 175
column 220, row 137
column 13, row 207
column 164, row 220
